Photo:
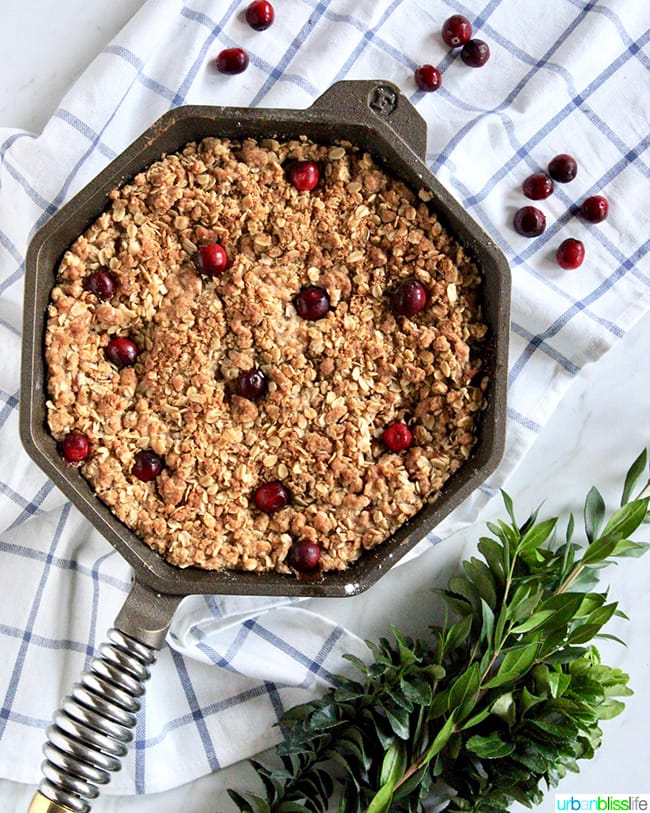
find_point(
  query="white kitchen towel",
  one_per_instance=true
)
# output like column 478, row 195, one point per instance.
column 564, row 76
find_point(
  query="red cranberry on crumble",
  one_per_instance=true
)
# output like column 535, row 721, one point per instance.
column 312, row 303
column 147, row 466
column 303, row 175
column 272, row 497
column 232, row 61
column 102, row 284
column 409, row 298
column 122, row 351
column 75, row 447
column 397, row 436
column 251, row 384
column 304, row 556
column 211, row 259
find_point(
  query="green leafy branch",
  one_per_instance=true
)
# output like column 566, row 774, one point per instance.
column 504, row 697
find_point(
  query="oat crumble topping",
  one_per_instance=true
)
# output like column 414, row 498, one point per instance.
column 333, row 385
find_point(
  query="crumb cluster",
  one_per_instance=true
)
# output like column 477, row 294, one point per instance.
column 334, row 384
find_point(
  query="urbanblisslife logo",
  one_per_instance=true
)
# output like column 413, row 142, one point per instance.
column 604, row 802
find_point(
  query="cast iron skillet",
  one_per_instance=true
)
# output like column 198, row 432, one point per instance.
column 90, row 732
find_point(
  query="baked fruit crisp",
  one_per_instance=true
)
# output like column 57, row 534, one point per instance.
column 274, row 351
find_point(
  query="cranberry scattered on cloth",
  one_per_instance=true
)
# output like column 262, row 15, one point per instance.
column 232, row 61
column 427, row 78
column 570, row 253
column 456, row 31
column 563, row 168
column 260, row 15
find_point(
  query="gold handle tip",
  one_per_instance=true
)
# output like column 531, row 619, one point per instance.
column 41, row 804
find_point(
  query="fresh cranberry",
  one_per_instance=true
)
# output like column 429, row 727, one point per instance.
column 410, row 298
column 475, row 53
column 211, row 259
column 102, row 284
column 303, row 556
column 251, row 384
column 570, row 253
column 260, row 15
column 122, row 351
column 397, row 436
column 304, row 175
column 595, row 209
column 537, row 186
column 427, row 78
column 312, row 303
column 147, row 466
column 232, row 60
column 456, row 31
column 75, row 447
column 272, row 497
column 529, row 221
column 563, row 168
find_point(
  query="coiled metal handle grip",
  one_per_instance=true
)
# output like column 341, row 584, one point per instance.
column 92, row 729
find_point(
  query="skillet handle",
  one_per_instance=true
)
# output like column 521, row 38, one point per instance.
column 91, row 730
column 376, row 103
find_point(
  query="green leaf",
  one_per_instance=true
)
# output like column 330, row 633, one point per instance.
column 633, row 475
column 535, row 538
column 415, row 690
column 458, row 633
column 441, row 739
column 527, row 700
column 558, row 683
column 632, row 549
column 475, row 719
column 398, row 718
column 599, row 550
column 382, row 800
column 249, row 803
column 492, row 552
column 505, row 708
column 594, row 513
column 464, row 691
column 610, row 709
column 481, row 577
column 490, row 746
column 509, row 506
column 627, row 519
column 564, row 608
column 487, row 624
column 405, row 648
column 514, row 664
column 566, row 655
column 394, row 764
column 463, row 587
column 535, row 621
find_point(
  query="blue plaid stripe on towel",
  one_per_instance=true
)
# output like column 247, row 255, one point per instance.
column 564, row 76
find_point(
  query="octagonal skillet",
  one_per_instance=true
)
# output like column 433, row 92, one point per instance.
column 90, row 732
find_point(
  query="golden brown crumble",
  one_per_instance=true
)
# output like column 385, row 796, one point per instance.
column 333, row 385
